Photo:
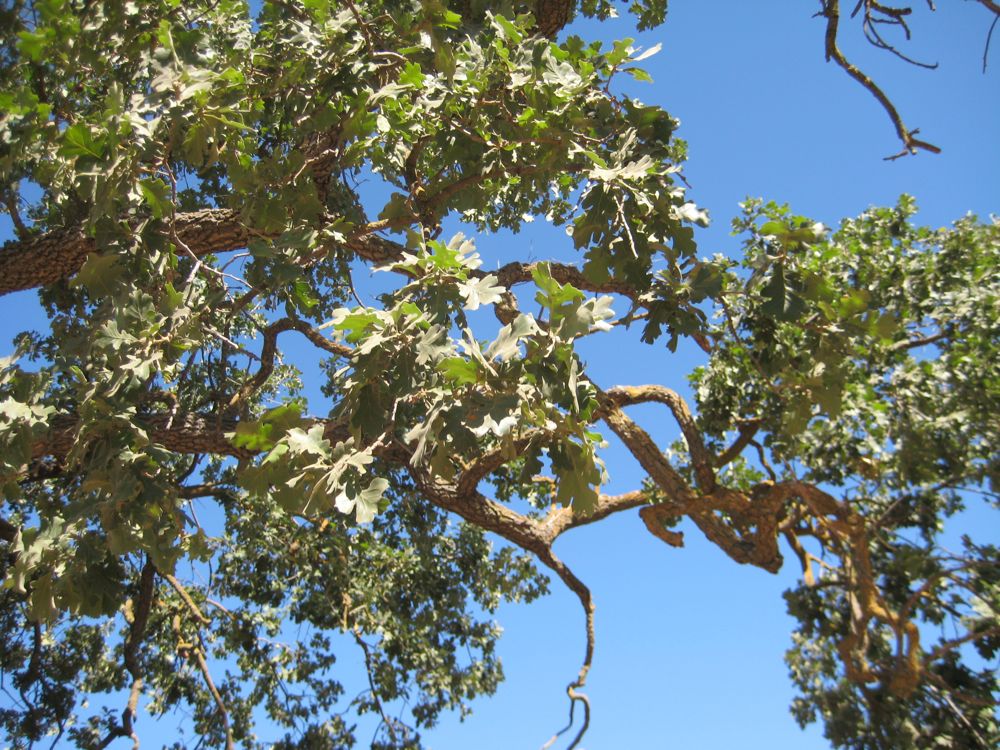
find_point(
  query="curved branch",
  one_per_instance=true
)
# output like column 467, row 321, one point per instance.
column 831, row 11
column 645, row 451
column 701, row 459
column 270, row 349
column 532, row 536
column 572, row 690
column 561, row 520
column 137, row 628
column 487, row 514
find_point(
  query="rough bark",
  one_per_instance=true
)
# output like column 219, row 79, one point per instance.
column 183, row 433
column 50, row 257
column 58, row 254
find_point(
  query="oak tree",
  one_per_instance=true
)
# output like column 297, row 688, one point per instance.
column 194, row 185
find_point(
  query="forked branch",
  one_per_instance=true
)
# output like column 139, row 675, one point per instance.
column 911, row 144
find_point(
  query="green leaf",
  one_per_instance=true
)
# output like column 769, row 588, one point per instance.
column 484, row 291
column 77, row 140
column 156, row 194
column 459, row 371
column 309, row 443
column 412, row 75
column 99, row 274
column 262, row 434
column 781, row 301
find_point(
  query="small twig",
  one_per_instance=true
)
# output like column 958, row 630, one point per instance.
column 915, row 343
column 389, row 723
column 226, row 340
column 961, row 716
column 270, row 350
column 989, row 38
column 762, row 457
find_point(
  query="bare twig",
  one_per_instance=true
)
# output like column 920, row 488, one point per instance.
column 390, row 724
column 573, row 689
column 746, row 431
column 270, row 349
column 186, row 598
column 139, row 615
column 219, row 703
column 831, row 11
column 989, row 38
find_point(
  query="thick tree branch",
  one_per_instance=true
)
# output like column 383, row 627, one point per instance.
column 182, row 433
column 58, row 254
column 701, row 459
column 487, row 514
column 646, row 452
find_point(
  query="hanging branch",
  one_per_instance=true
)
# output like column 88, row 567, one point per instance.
column 139, row 614
column 911, row 144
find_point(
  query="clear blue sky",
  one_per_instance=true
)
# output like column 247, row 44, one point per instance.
column 689, row 645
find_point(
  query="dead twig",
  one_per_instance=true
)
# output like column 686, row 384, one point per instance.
column 911, row 144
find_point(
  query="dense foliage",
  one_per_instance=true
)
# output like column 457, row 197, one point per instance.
column 193, row 185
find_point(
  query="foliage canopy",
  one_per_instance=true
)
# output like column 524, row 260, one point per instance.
column 200, row 184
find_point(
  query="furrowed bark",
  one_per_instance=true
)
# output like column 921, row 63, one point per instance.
column 56, row 255
column 190, row 433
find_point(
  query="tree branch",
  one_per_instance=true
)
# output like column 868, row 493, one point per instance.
column 8, row 531
column 831, row 11
column 139, row 618
column 646, row 451
column 747, row 430
column 182, row 433
column 270, row 349
column 701, row 459
column 561, row 520
column 58, row 254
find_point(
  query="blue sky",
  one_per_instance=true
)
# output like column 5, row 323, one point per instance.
column 689, row 645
